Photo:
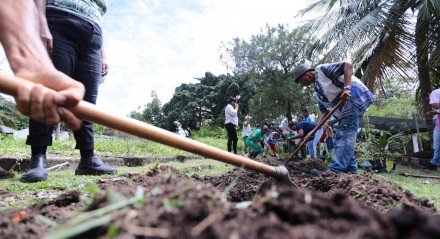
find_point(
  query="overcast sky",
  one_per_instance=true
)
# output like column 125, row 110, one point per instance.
column 158, row 45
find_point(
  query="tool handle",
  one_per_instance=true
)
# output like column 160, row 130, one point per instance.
column 304, row 141
column 87, row 111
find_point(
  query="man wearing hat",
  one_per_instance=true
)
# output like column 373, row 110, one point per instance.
column 334, row 82
column 231, row 123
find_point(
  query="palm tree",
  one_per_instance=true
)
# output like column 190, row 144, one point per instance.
column 383, row 37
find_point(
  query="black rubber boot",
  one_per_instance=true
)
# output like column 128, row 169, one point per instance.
column 93, row 165
column 36, row 171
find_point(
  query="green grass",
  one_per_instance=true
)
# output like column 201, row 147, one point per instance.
column 420, row 187
column 126, row 146
column 25, row 194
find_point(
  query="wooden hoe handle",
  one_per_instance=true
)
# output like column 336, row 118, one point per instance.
column 87, row 111
column 304, row 141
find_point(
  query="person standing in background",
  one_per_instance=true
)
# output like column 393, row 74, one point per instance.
column 247, row 130
column 434, row 101
column 306, row 116
column 231, row 123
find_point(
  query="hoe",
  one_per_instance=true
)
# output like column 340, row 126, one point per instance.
column 89, row 112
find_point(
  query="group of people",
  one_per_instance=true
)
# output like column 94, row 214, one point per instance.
column 59, row 44
column 333, row 82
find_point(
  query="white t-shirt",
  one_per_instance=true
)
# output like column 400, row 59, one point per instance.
column 231, row 115
column 434, row 97
column 246, row 130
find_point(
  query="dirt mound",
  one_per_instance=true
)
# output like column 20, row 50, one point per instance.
column 427, row 154
column 5, row 174
column 176, row 206
column 378, row 194
column 302, row 169
column 238, row 184
column 23, row 223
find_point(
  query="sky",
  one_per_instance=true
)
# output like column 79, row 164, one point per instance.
column 158, row 45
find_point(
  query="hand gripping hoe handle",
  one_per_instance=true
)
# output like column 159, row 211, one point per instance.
column 87, row 111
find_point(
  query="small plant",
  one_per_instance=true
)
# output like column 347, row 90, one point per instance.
column 374, row 147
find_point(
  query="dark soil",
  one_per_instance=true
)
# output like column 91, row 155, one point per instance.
column 426, row 154
column 5, row 174
column 345, row 206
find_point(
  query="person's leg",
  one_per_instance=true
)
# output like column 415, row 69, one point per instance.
column 245, row 146
column 353, row 164
column 40, row 135
column 88, row 72
column 255, row 148
column 436, row 147
column 229, row 128
column 343, row 155
column 314, row 143
column 234, row 139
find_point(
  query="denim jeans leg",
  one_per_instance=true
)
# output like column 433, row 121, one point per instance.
column 436, row 146
column 315, row 142
column 346, row 133
column 77, row 53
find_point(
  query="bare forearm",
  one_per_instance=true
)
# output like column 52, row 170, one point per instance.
column 20, row 36
column 348, row 73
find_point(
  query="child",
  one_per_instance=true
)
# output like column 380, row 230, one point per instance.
column 254, row 139
column 270, row 142
column 246, row 131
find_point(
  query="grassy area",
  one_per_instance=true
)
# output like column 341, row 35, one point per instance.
column 125, row 146
column 25, row 194
column 420, row 187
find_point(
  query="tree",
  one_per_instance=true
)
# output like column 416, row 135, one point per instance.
column 203, row 103
column 267, row 59
column 10, row 117
column 384, row 37
column 152, row 112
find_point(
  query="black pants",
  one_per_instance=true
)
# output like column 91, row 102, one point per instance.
column 232, row 137
column 77, row 53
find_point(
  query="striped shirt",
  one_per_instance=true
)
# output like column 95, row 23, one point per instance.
column 91, row 10
column 329, row 85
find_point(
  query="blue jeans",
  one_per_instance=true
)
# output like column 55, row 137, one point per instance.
column 312, row 145
column 436, row 145
column 77, row 53
column 344, row 160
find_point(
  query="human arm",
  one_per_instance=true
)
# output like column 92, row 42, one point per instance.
column 348, row 73
column 45, row 34
column 28, row 58
column 231, row 111
column 104, row 62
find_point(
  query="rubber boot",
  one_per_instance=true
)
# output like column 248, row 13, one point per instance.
column 36, row 171
column 93, row 165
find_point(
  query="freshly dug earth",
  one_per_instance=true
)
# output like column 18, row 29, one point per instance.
column 177, row 206
column 5, row 174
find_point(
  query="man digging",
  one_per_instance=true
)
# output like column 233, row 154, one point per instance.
column 334, row 82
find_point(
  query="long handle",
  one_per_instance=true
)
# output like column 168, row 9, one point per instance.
column 304, row 141
column 89, row 112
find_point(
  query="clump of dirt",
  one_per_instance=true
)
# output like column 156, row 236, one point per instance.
column 426, row 154
column 240, row 185
column 378, row 194
column 5, row 174
column 303, row 168
column 22, row 223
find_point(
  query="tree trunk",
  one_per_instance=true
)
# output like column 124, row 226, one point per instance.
column 423, row 69
column 289, row 110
